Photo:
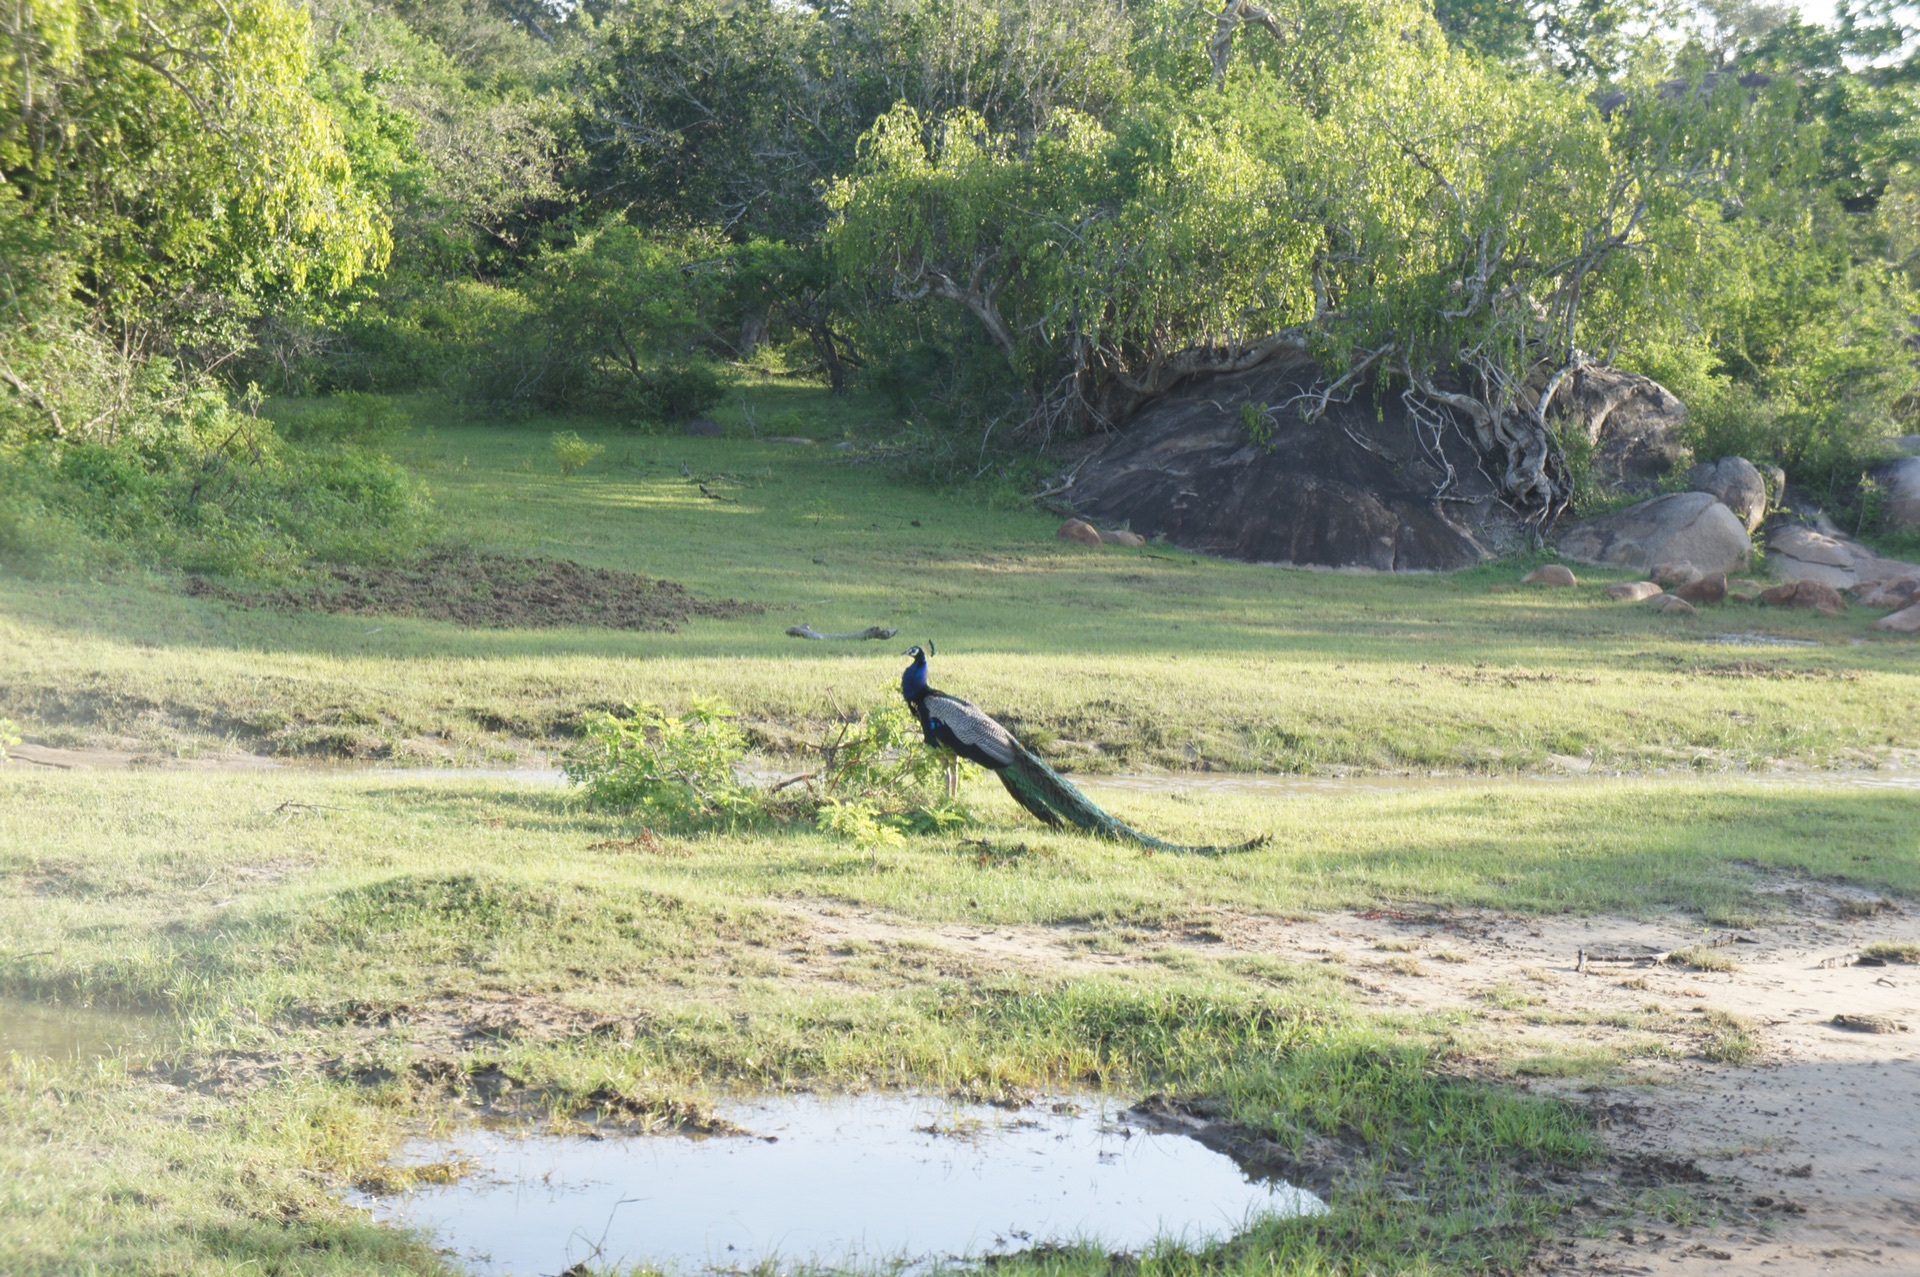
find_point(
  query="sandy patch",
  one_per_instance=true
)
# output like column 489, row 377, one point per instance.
column 1811, row 1154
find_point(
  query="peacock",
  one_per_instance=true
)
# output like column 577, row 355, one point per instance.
column 957, row 726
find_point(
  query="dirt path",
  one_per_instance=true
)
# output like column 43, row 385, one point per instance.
column 1811, row 1154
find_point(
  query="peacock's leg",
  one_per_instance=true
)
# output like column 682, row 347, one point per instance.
column 953, row 776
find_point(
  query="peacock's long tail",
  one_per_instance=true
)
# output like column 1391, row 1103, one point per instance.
column 1053, row 799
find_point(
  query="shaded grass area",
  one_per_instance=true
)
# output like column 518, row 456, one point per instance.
column 348, row 957
column 1108, row 659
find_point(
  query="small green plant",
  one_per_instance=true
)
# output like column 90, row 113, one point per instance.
column 1880, row 951
column 9, row 736
column 1730, row 1038
column 1702, row 957
column 1258, row 419
column 574, row 453
column 675, row 769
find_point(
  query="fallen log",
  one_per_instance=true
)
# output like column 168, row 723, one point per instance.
column 871, row 632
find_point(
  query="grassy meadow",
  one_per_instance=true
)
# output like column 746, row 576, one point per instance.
column 340, row 958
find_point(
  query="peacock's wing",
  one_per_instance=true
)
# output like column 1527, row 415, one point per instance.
column 968, row 731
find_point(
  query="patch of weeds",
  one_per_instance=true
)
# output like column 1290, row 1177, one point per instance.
column 1405, row 966
column 1449, row 955
column 1730, row 1038
column 388, row 1181
column 1540, row 975
column 1907, row 951
column 1634, row 982
column 654, row 1113
column 1855, row 909
column 1675, row 1206
column 1396, row 946
column 1703, row 957
column 1508, row 998
column 1568, row 1062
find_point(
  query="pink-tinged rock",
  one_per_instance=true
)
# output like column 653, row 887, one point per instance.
column 1893, row 594
column 1668, row 605
column 1557, row 574
column 1905, row 621
column 1633, row 591
column 1672, row 574
column 1079, row 531
column 1816, row 596
column 1708, row 589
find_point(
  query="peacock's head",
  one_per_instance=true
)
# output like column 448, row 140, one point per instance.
column 920, row 654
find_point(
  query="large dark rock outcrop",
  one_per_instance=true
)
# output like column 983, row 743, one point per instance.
column 1363, row 486
column 1634, row 424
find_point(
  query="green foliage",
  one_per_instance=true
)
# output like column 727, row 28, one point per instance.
column 673, row 768
column 195, row 484
column 9, row 736
column 876, row 784
column 351, row 417
column 178, row 160
column 1258, row 419
column 611, row 322
column 574, row 453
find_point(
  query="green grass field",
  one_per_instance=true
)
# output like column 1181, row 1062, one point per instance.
column 336, row 959
column 1110, row 659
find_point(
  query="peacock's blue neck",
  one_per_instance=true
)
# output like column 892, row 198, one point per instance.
column 913, row 680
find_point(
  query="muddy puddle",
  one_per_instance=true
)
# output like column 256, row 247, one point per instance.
column 58, row 1031
column 889, row 1183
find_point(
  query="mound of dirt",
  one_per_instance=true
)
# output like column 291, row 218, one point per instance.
column 490, row 591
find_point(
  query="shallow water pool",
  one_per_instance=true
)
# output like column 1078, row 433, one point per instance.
column 871, row 1182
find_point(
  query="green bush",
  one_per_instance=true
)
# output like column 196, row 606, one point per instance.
column 676, row 769
column 877, row 782
column 9, row 737
column 574, row 453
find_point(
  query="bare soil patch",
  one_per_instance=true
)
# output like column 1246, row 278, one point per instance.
column 490, row 591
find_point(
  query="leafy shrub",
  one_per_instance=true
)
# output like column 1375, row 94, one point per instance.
column 9, row 736
column 877, row 783
column 677, row 769
column 574, row 453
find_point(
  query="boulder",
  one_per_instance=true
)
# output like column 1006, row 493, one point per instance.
column 1737, row 485
column 704, row 428
column 1817, row 595
column 1359, row 487
column 1895, row 594
column 1633, row 591
column 1672, row 574
column 1682, row 527
column 1079, row 531
column 1905, row 621
column 1708, row 589
column 1818, row 551
column 1120, row 536
column 1901, row 479
column 1636, row 426
column 1668, row 605
column 1551, row 574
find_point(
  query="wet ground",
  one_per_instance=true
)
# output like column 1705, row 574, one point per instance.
column 877, row 1181
column 60, row 1031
